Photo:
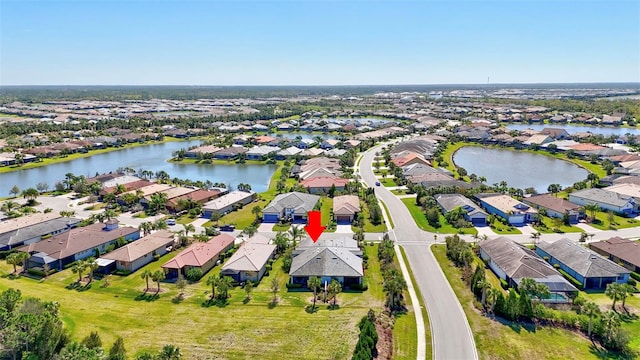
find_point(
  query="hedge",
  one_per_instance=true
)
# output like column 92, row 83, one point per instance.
column 571, row 279
column 635, row 276
column 294, row 286
column 504, row 284
column 38, row 272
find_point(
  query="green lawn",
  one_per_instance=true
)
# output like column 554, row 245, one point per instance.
column 399, row 191
column 499, row 228
column 503, row 340
column 209, row 332
column 281, row 227
column 550, row 226
column 632, row 305
column 388, row 182
column 421, row 220
column 368, row 226
column 386, row 210
column 619, row 222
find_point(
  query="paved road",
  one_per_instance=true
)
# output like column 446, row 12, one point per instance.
column 451, row 335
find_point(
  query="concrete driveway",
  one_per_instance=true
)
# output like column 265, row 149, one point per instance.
column 344, row 229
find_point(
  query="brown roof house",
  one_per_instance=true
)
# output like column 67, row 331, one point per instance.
column 137, row 254
column 345, row 208
column 556, row 207
column 77, row 244
column 199, row 255
column 249, row 263
column 621, row 251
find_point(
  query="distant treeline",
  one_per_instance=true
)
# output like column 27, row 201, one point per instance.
column 51, row 93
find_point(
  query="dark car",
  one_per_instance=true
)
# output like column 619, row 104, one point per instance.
column 377, row 183
column 227, row 227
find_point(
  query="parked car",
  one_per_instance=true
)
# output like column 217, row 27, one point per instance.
column 227, row 227
column 377, row 183
column 171, row 222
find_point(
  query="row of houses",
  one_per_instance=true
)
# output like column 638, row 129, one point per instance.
column 593, row 270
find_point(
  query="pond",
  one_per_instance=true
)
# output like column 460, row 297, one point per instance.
column 572, row 129
column 149, row 157
column 519, row 169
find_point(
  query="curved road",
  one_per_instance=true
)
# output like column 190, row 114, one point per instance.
column 450, row 331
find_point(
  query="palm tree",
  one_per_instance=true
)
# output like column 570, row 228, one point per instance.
column 79, row 267
column 590, row 309
column 535, row 236
column 334, row 289
column 158, row 276
column 296, row 233
column 625, row 290
column 281, row 241
column 224, row 284
column 213, row 281
column 492, row 297
column 146, row 228
column 554, row 189
column 613, row 292
column 187, row 228
column 30, row 194
column 256, row 210
column 169, row 352
column 93, row 266
column 146, row 275
column 592, row 208
column 13, row 259
column 9, row 205
column 483, row 285
column 314, row 284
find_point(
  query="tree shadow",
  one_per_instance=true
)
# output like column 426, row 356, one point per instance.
column 333, row 307
column 246, row 300
column 273, row 303
column 77, row 286
column 310, row 309
column 177, row 299
column 147, row 297
column 602, row 353
column 12, row 276
column 215, row 302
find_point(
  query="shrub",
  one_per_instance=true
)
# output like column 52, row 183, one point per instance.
column 293, row 286
column 504, row 284
column 571, row 279
column 635, row 276
column 632, row 282
column 194, row 274
column 122, row 272
column 40, row 272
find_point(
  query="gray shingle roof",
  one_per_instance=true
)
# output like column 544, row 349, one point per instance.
column 327, row 261
column 516, row 260
column 451, row 201
column 18, row 236
column 601, row 196
column 582, row 260
column 300, row 202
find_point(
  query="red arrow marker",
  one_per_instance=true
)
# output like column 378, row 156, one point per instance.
column 314, row 228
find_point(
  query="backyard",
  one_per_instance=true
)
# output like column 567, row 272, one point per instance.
column 501, row 339
column 203, row 331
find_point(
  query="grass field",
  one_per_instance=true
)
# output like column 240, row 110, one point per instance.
column 386, row 210
column 619, row 222
column 421, row 220
column 368, row 226
column 204, row 332
column 497, row 340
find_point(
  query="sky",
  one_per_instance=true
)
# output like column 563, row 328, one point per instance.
column 331, row 42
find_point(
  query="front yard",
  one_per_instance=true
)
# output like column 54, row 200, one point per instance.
column 551, row 225
column 421, row 220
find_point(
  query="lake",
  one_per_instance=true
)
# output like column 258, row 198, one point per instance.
column 572, row 129
column 150, row 157
column 519, row 169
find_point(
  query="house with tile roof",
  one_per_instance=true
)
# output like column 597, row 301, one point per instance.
column 513, row 262
column 345, row 208
column 606, row 200
column 77, row 244
column 137, row 254
column 292, row 206
column 322, row 184
column 588, row 267
column 514, row 211
column 619, row 250
column 556, row 207
column 249, row 262
column 201, row 255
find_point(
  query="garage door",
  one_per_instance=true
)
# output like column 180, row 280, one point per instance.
column 343, row 219
column 270, row 218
